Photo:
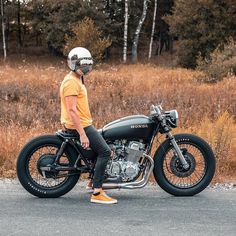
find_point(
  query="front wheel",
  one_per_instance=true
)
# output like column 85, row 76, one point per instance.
column 169, row 172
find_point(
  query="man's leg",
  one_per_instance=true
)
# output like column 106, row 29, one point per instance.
column 99, row 145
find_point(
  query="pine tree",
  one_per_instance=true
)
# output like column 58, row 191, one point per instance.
column 201, row 26
column 55, row 19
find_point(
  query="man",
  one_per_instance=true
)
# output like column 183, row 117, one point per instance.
column 76, row 116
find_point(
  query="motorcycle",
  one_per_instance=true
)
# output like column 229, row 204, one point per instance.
column 49, row 166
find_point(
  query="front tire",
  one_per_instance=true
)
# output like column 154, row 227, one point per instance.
column 27, row 167
column 170, row 175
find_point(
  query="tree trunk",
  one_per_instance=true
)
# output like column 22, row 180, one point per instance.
column 3, row 31
column 137, row 33
column 7, row 29
column 126, row 30
column 153, row 30
column 19, row 23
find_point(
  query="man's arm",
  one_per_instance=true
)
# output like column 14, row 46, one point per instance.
column 71, row 103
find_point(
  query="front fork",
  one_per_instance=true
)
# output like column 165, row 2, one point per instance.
column 178, row 151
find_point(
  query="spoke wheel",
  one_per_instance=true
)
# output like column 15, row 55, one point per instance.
column 169, row 172
column 42, row 157
column 176, row 174
column 41, row 152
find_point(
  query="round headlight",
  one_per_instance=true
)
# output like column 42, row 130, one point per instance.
column 172, row 118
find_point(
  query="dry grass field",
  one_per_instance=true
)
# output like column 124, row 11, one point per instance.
column 30, row 104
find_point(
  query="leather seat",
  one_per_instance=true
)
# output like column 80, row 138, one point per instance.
column 67, row 134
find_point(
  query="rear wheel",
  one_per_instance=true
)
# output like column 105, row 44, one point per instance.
column 170, row 174
column 41, row 151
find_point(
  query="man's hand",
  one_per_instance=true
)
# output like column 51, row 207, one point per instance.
column 84, row 141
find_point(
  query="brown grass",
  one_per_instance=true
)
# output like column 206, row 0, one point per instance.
column 30, row 104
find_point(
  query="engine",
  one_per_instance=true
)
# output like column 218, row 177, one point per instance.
column 125, row 164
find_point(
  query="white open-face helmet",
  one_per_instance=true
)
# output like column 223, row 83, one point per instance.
column 80, row 58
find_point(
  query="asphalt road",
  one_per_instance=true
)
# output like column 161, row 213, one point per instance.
column 147, row 211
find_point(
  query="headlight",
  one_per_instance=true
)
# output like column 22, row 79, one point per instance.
column 172, row 118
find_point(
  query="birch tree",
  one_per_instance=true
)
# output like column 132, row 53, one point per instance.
column 137, row 32
column 3, row 31
column 153, row 30
column 126, row 30
column 19, row 22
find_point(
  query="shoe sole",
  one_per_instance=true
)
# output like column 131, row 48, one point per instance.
column 89, row 188
column 90, row 191
column 103, row 202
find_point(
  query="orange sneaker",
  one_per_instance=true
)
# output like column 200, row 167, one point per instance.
column 102, row 198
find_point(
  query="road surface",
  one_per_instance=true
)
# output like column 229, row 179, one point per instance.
column 147, row 211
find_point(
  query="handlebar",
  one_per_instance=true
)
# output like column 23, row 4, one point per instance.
column 158, row 110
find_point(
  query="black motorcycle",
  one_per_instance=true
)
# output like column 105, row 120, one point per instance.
column 49, row 166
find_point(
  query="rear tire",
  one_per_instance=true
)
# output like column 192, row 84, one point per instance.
column 161, row 175
column 27, row 180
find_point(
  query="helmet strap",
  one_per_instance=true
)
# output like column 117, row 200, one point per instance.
column 82, row 78
column 75, row 69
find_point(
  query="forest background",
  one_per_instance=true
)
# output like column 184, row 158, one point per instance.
column 181, row 53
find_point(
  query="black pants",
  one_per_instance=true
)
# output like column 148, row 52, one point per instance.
column 98, row 145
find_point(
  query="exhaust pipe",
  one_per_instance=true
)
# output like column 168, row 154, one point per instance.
column 137, row 184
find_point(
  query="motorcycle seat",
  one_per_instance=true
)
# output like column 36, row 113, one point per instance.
column 67, row 134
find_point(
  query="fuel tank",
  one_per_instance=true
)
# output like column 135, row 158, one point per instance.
column 130, row 127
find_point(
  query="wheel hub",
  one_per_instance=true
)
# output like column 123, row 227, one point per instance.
column 177, row 167
column 47, row 160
